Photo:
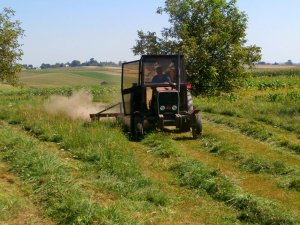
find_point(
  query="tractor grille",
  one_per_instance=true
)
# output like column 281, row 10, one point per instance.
column 168, row 102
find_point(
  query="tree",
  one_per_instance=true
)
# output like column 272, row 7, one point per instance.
column 75, row 63
column 92, row 62
column 289, row 62
column 211, row 34
column 45, row 66
column 10, row 52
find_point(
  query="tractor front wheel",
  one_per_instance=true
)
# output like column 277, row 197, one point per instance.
column 197, row 126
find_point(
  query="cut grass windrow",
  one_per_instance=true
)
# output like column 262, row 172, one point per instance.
column 252, row 162
column 249, row 162
column 108, row 163
column 102, row 147
column 196, row 175
column 253, row 129
column 50, row 183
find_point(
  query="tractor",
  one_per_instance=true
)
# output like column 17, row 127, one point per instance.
column 155, row 93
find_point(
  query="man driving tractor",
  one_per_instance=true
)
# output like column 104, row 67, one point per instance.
column 160, row 77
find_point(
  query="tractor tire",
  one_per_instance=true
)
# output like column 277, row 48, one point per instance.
column 197, row 126
column 190, row 106
column 138, row 127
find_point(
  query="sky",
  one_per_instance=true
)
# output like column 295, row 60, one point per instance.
column 66, row 30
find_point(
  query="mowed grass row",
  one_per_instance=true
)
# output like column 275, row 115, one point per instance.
column 105, row 162
column 48, row 181
column 283, row 114
column 259, row 131
column 268, row 109
column 108, row 175
column 274, row 101
column 102, row 152
column 274, row 168
column 106, row 167
column 251, row 156
column 186, row 205
column 197, row 175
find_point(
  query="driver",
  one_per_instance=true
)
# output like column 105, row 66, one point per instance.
column 160, row 77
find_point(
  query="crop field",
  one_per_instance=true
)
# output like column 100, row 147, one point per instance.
column 71, row 76
column 245, row 169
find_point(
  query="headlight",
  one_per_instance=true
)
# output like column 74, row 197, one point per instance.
column 174, row 107
column 162, row 107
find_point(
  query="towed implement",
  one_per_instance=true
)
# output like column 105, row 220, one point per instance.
column 155, row 92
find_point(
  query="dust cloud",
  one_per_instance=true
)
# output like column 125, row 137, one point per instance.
column 78, row 106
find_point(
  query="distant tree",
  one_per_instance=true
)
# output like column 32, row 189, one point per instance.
column 211, row 34
column 75, row 63
column 10, row 52
column 57, row 65
column 261, row 63
column 84, row 64
column 289, row 62
column 109, row 63
column 92, row 62
column 45, row 66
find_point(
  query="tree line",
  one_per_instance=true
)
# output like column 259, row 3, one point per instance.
column 288, row 63
column 74, row 63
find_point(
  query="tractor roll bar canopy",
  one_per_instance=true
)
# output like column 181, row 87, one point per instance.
column 170, row 66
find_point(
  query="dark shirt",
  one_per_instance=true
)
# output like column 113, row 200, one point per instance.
column 161, row 79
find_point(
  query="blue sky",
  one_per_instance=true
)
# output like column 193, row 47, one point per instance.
column 64, row 30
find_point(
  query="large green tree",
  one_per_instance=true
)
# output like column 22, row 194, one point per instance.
column 212, row 36
column 10, row 52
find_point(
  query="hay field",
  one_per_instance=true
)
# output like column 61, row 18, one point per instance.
column 245, row 169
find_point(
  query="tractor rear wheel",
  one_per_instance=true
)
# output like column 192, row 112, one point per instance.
column 138, row 131
column 197, row 126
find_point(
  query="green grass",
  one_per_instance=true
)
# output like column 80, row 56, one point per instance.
column 98, row 147
column 160, row 146
column 272, row 100
column 49, row 179
column 248, row 162
column 61, row 77
column 97, row 75
column 78, row 172
column 255, row 210
column 257, row 131
column 10, row 204
column 98, row 144
column 277, row 72
column 196, row 175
